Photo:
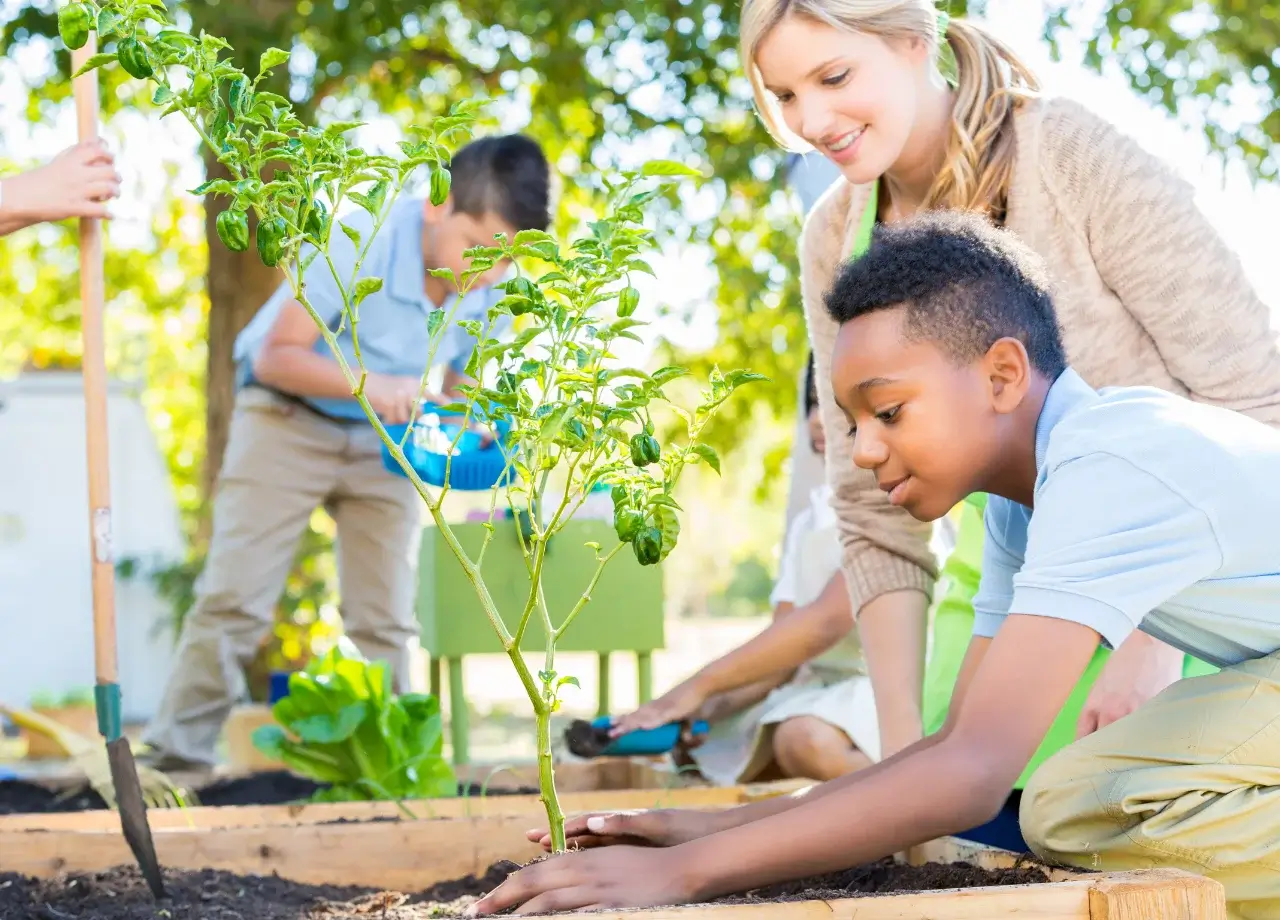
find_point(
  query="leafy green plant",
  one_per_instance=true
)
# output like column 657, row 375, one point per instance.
column 341, row 725
column 77, row 696
column 571, row 417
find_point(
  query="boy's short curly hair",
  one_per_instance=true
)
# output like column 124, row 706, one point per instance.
column 964, row 283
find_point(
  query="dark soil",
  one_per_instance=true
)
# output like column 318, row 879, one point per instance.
column 271, row 787
column 585, row 740
column 211, row 895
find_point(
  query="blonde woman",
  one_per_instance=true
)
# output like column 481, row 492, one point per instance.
column 922, row 114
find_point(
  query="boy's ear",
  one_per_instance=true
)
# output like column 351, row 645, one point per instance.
column 435, row 213
column 1008, row 371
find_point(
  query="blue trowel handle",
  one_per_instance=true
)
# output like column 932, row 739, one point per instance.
column 648, row 740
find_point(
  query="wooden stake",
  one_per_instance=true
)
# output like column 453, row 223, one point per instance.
column 94, row 370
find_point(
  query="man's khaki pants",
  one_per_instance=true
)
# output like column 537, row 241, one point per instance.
column 1191, row 780
column 282, row 462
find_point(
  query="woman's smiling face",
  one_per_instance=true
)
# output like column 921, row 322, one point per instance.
column 853, row 96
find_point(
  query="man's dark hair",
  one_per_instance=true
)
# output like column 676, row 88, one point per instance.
column 507, row 175
column 964, row 284
column 810, row 387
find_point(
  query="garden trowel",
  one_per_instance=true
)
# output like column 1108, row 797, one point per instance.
column 591, row 739
column 124, row 772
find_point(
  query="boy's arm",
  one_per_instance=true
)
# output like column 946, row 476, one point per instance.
column 288, row 361
column 963, row 779
column 1011, row 692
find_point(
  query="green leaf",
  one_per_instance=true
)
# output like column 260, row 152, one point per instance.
column 215, row 187
column 735, row 379
column 669, row 524
column 108, row 21
column 364, row 287
column 708, row 454
column 665, row 501
column 324, row 728
column 665, row 375
column 554, row 422
column 435, row 319
column 628, row 372
column 568, row 679
column 640, row 265
column 445, row 273
column 162, row 95
column 669, row 168
column 272, row 57
column 342, row 127
column 532, row 236
column 352, row 234
column 270, row 740
column 94, row 63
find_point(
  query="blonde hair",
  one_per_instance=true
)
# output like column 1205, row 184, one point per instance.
column 992, row 79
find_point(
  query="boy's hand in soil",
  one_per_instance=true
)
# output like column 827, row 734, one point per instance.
column 78, row 182
column 616, row 877
column 679, row 704
column 659, row 827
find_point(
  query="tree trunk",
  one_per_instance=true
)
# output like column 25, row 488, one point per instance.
column 238, row 285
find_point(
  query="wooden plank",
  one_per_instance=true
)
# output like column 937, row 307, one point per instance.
column 468, row 807
column 410, row 855
column 571, row 775
column 1165, row 893
column 1059, row 901
column 405, row 855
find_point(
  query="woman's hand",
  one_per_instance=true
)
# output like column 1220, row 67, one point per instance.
column 1136, row 671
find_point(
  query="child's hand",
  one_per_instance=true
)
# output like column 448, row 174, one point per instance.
column 658, row 827
column 1136, row 671
column 678, row 704
column 395, row 399
column 78, row 182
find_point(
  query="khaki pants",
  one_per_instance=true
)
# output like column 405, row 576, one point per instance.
column 1191, row 780
column 282, row 462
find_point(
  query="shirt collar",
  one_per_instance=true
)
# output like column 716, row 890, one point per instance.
column 406, row 273
column 1067, row 392
column 820, row 502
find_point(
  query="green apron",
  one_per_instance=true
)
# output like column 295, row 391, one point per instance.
column 953, row 626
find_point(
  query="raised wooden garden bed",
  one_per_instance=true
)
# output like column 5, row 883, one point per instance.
column 409, row 856
column 591, row 786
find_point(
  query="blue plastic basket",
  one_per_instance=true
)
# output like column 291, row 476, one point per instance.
column 475, row 467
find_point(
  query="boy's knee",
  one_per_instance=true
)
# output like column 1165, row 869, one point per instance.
column 1056, row 804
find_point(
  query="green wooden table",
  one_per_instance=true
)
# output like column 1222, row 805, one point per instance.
column 625, row 612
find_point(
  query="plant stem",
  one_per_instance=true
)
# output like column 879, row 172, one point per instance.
column 547, row 780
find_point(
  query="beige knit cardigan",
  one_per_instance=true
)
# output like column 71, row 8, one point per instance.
column 1146, row 293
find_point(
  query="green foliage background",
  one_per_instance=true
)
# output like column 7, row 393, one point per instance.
column 601, row 83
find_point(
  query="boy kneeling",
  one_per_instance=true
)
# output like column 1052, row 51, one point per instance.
column 1110, row 510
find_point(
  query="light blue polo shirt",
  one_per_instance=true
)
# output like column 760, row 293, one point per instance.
column 1151, row 512
column 393, row 330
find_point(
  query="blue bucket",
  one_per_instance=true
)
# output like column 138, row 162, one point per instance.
column 475, row 466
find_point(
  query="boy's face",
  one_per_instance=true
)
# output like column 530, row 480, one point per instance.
column 449, row 233
column 925, row 426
